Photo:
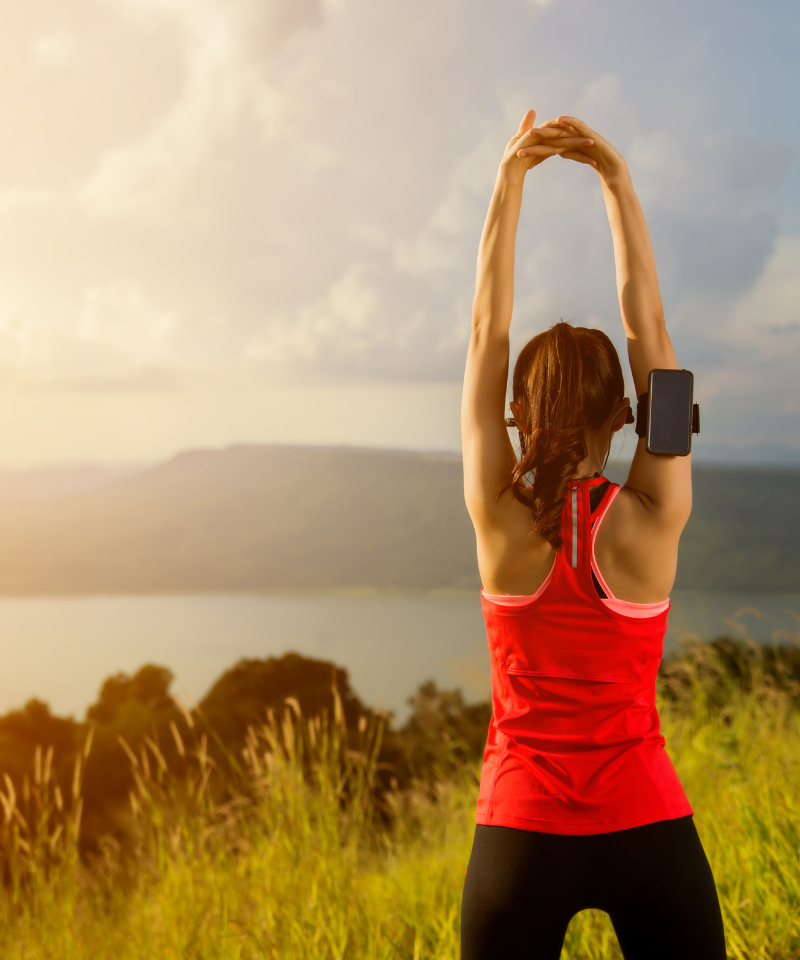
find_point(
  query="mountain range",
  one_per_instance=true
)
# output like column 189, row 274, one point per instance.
column 301, row 519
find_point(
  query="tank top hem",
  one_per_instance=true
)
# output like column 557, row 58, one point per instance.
column 588, row 828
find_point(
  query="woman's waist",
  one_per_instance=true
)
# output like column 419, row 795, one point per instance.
column 563, row 737
column 539, row 708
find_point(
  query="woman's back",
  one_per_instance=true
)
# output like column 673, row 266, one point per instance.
column 637, row 545
column 574, row 745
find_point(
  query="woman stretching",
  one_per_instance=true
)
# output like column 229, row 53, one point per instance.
column 579, row 805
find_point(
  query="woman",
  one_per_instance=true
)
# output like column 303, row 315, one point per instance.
column 579, row 805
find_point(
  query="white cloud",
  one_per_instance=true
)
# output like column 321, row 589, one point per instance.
column 119, row 315
column 116, row 337
column 439, row 246
column 142, row 172
column 224, row 42
column 53, row 51
column 340, row 324
column 22, row 344
column 304, row 191
column 767, row 318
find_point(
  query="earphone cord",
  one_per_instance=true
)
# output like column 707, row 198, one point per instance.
column 610, row 432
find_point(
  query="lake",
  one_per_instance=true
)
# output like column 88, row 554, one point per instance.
column 61, row 650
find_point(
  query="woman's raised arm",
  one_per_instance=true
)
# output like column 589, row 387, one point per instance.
column 662, row 483
column 488, row 454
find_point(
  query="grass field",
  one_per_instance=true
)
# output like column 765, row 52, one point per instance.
column 295, row 855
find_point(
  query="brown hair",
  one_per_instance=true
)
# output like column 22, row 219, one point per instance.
column 565, row 380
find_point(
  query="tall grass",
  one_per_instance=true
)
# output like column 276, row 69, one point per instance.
column 289, row 851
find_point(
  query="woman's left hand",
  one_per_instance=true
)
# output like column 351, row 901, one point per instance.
column 603, row 156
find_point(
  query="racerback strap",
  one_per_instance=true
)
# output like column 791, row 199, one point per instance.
column 585, row 501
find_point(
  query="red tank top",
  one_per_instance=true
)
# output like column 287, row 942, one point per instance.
column 575, row 744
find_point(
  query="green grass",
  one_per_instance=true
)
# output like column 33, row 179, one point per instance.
column 289, row 855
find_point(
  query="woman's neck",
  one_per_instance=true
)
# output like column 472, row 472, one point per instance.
column 596, row 454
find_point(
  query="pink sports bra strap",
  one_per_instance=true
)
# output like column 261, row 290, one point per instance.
column 579, row 532
column 626, row 607
column 597, row 519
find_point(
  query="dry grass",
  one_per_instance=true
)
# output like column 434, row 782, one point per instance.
column 282, row 855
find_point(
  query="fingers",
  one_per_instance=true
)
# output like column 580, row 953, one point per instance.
column 538, row 134
column 567, row 137
column 548, row 147
column 554, row 131
column 560, row 122
column 579, row 156
column 578, row 125
column 527, row 122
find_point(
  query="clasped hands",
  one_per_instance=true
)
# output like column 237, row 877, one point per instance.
column 566, row 137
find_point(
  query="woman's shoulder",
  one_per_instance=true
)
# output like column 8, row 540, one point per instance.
column 636, row 552
column 512, row 557
column 631, row 513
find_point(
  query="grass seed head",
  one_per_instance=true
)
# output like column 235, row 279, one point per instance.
column 11, row 797
column 145, row 763
column 87, row 746
column 187, row 716
column 156, row 753
column 176, row 736
column 76, row 778
column 130, row 754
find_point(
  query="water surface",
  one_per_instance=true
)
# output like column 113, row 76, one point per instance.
column 61, row 650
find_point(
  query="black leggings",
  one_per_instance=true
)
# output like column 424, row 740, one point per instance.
column 523, row 888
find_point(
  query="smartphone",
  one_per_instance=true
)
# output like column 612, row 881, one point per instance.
column 670, row 413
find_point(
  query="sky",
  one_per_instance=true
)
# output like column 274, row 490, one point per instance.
column 227, row 221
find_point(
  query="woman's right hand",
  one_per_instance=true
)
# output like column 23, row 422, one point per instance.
column 532, row 145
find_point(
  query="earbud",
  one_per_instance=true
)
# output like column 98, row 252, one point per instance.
column 628, row 419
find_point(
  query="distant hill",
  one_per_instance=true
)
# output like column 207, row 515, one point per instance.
column 60, row 480
column 249, row 518
column 273, row 518
column 744, row 532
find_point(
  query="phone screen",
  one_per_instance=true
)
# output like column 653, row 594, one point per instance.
column 670, row 414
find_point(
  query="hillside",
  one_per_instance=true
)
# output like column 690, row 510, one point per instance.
column 60, row 480
column 250, row 518
column 744, row 532
column 271, row 518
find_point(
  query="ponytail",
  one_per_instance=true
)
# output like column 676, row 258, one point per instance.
column 566, row 380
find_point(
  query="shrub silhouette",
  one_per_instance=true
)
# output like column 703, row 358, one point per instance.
column 442, row 734
column 243, row 694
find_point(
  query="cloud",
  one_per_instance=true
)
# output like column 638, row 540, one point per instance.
column 340, row 324
column 120, row 341
column 143, row 171
column 767, row 318
column 119, row 315
column 299, row 189
column 53, row 51
column 224, row 43
column 440, row 245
